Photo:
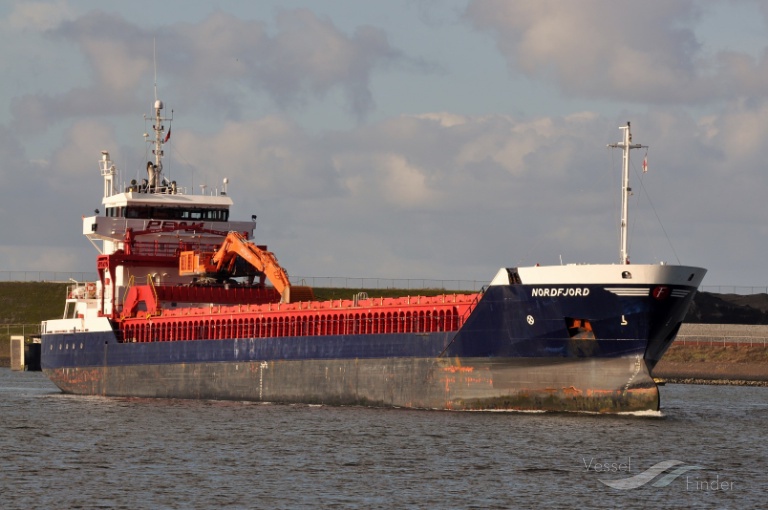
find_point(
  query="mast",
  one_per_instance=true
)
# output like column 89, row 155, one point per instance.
column 626, row 146
column 154, row 174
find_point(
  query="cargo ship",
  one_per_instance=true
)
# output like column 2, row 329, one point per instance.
column 188, row 305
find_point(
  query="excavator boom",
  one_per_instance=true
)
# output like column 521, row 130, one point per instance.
column 223, row 261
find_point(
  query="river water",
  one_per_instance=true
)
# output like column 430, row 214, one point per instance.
column 708, row 448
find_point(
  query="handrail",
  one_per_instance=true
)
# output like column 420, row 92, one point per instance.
column 130, row 284
column 152, row 286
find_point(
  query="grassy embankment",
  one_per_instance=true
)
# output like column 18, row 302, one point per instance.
column 29, row 303
column 717, row 354
column 715, row 364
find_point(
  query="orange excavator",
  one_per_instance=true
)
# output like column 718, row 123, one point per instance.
column 193, row 263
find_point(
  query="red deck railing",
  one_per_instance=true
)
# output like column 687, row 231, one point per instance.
column 217, row 322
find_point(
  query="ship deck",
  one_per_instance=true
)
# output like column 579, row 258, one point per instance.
column 410, row 314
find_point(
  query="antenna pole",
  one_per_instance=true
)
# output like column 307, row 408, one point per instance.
column 154, row 61
column 155, row 173
column 626, row 145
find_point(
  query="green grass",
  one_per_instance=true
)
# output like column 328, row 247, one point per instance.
column 31, row 302
column 27, row 303
column 717, row 353
column 324, row 294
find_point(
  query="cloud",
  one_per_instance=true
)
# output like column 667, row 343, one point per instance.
column 429, row 196
column 436, row 195
column 432, row 194
column 311, row 53
column 271, row 156
column 75, row 161
column 366, row 200
column 226, row 58
column 307, row 57
column 598, row 49
column 45, row 197
column 37, row 16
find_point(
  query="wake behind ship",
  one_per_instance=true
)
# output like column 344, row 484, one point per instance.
column 187, row 305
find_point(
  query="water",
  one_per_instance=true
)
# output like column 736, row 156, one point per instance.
column 62, row 451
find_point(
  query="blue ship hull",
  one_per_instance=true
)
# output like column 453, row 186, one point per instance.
column 517, row 350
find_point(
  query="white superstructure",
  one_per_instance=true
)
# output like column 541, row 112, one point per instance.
column 150, row 218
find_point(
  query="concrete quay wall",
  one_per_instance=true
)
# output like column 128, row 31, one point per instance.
column 723, row 334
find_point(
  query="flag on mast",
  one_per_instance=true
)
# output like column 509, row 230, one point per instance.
column 168, row 137
column 645, row 159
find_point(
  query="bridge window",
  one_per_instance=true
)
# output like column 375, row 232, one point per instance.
column 170, row 213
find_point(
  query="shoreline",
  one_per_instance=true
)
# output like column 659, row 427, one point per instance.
column 716, row 363
column 713, row 382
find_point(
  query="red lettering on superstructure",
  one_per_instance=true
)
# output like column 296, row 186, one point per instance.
column 171, row 226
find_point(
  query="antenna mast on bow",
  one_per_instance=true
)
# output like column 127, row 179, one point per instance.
column 626, row 146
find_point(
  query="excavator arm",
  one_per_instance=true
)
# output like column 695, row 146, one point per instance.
column 223, row 261
column 264, row 261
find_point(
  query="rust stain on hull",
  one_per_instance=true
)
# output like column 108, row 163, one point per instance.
column 603, row 386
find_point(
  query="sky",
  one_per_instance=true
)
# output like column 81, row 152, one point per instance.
column 401, row 139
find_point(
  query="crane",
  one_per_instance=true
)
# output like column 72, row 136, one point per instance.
column 223, row 262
